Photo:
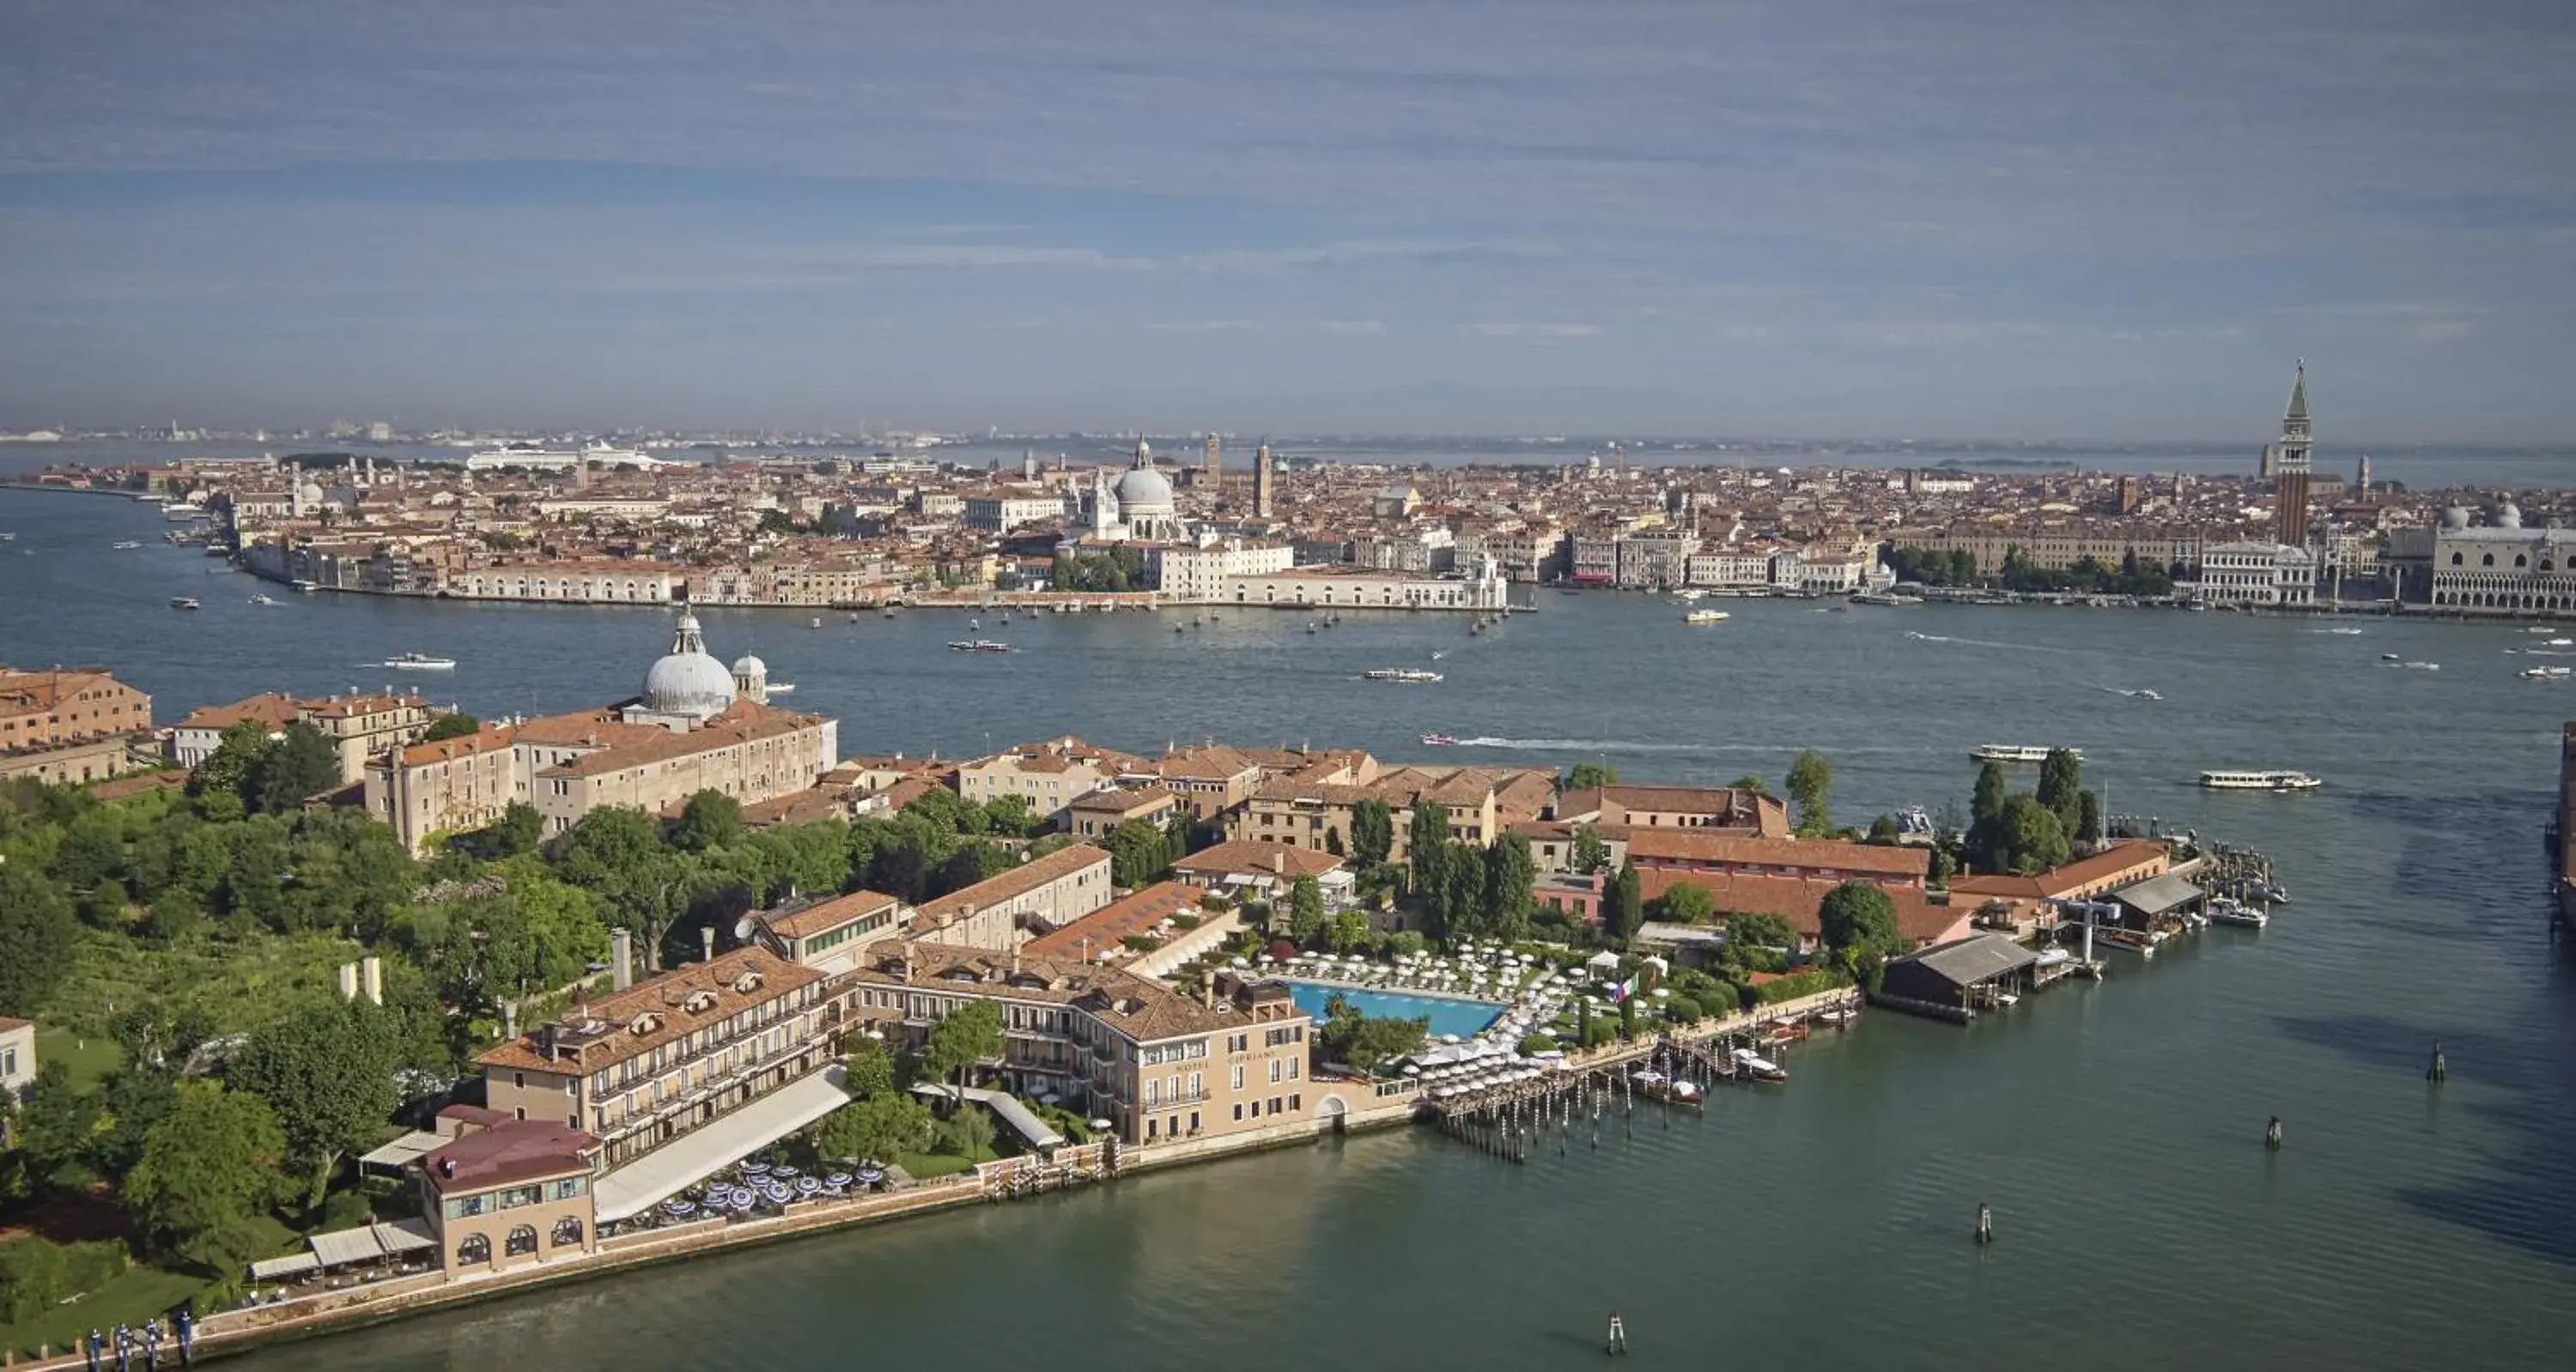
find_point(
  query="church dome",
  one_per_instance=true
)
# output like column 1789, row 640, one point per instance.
column 2509, row 516
column 688, row 680
column 1143, row 491
column 749, row 665
column 2456, row 517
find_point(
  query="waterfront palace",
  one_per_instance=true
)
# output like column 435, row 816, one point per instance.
column 697, row 726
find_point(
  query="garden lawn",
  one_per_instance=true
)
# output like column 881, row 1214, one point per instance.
column 237, row 982
column 89, row 1059
column 136, row 1295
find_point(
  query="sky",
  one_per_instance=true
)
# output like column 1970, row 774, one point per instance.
column 2033, row 219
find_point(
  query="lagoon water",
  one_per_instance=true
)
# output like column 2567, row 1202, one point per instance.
column 2114, row 1128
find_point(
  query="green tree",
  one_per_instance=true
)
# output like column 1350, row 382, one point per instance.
column 327, row 1069
column 1989, row 801
column 1766, row 932
column 1752, row 784
column 57, row 1126
column 1140, row 853
column 1623, row 906
column 1510, row 887
column 211, row 1163
column 617, row 852
column 519, row 830
column 2088, row 817
column 447, row 726
column 1811, row 784
column 301, row 764
column 1883, row 831
column 1372, row 832
column 1350, row 930
column 1687, row 903
column 868, row 1070
column 1858, row 914
column 1425, row 844
column 968, row 1035
column 1585, row 776
column 1306, row 912
column 2061, row 785
column 1591, row 853
column 1011, row 817
column 38, row 933
column 2032, row 839
column 709, row 819
column 877, row 1127
column 227, row 771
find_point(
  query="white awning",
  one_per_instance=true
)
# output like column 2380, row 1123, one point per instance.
column 404, row 1236
column 666, row 1171
column 344, row 1246
column 402, row 1152
column 278, row 1269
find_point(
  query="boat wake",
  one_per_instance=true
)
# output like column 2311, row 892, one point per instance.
column 1985, row 643
column 1616, row 745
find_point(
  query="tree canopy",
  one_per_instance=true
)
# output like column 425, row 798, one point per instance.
column 1857, row 914
column 968, row 1035
column 1811, row 785
column 1372, row 831
column 1584, row 776
column 38, row 932
column 708, row 819
column 447, row 726
column 1687, row 902
column 211, row 1163
column 1623, row 906
column 327, row 1070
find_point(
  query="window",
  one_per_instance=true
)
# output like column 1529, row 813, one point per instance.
column 1296, row 1102
column 1274, row 1105
column 1278, row 1071
column 569, row 1188
column 567, row 1232
column 522, row 1241
column 1292, row 1069
column 1238, row 1076
column 466, row 1207
column 476, row 1248
column 1238, row 1112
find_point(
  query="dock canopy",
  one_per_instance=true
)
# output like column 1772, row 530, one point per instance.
column 2157, row 896
column 1946, row 976
column 371, row 1243
column 279, row 1269
column 710, row 1148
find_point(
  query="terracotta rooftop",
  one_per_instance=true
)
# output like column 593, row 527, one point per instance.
column 1799, row 900
column 1018, row 881
column 1140, row 1008
column 2057, row 881
column 491, row 738
column 742, row 722
column 1106, row 929
column 651, row 1013
column 1699, row 845
column 275, row 709
column 828, row 914
column 1253, row 856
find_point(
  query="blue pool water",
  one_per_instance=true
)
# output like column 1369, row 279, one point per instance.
column 1461, row 1017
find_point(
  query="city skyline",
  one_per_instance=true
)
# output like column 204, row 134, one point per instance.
column 1999, row 220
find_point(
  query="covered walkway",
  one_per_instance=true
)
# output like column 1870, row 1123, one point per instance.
column 666, row 1171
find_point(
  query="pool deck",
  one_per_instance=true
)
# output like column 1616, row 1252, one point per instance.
column 1459, row 996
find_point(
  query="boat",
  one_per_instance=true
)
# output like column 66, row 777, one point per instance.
column 2348, row 632
column 815, row 623
column 2388, row 657
column 180, row 602
column 1839, row 1017
column 421, row 662
column 2223, row 910
column 1783, row 1030
column 2562, row 643
column 2422, row 666
column 1757, row 1067
column 1440, row 740
column 2548, row 673
column 2016, row 752
column 781, row 688
column 1410, row 676
column 261, row 600
column 2145, row 693
column 303, row 587
column 1705, row 617
column 2540, row 629
column 129, row 543
column 2259, row 781
column 1654, row 1085
column 979, row 645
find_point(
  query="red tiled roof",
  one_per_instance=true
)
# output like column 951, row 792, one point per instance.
column 1647, row 844
column 1245, row 855
column 1018, row 881
column 830, row 914
column 1106, row 928
column 1799, row 900
column 511, row 1151
column 275, row 709
column 2056, row 881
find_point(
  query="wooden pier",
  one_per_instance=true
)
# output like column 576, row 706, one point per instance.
column 1595, row 1091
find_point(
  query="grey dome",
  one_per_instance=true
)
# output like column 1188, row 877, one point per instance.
column 2509, row 516
column 2456, row 517
column 688, row 680
column 1143, row 491
column 748, row 665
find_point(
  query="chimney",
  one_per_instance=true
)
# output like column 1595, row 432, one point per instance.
column 509, row 1019
column 707, row 943
column 371, row 974
column 621, row 959
column 1279, row 863
column 348, row 981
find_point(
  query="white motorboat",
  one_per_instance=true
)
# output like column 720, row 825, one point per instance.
column 180, row 602
column 129, row 543
column 979, row 645
column 421, row 662
column 2548, row 673
column 2227, row 910
column 1751, row 1064
column 2259, row 781
column 261, row 600
column 1409, row 676
column 1706, row 617
column 781, row 688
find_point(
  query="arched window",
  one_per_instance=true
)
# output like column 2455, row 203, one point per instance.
column 522, row 1241
column 2520, row 561
column 477, row 1248
column 2486, row 560
column 567, row 1232
column 2455, row 559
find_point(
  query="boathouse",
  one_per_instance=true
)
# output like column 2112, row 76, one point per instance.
column 1959, row 978
column 2156, row 903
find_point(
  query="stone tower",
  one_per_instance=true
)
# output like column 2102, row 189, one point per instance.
column 2290, row 468
column 1215, row 473
column 1264, row 482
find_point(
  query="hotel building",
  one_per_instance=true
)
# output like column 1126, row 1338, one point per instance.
column 68, row 725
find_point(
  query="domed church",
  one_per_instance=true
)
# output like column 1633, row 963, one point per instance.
column 687, row 686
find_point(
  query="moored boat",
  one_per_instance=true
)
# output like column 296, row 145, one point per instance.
column 1706, row 617
column 2226, row 910
column 1756, row 1067
column 2259, row 781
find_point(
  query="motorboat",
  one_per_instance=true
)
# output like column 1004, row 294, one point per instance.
column 1706, row 617
column 1839, row 1017
column 261, row 600
column 979, row 645
column 129, row 543
column 2388, row 657
column 180, row 602
column 2259, row 781
column 1440, row 740
column 421, row 662
column 2548, row 673
column 2421, row 666
column 1654, row 1085
column 2225, row 910
column 814, row 623
column 303, row 587
column 2016, row 752
column 1756, row 1067
column 781, row 688
column 1409, row 676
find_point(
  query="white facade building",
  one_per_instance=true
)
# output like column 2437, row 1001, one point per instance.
column 1188, row 572
column 1003, row 511
column 2257, row 574
column 1483, row 589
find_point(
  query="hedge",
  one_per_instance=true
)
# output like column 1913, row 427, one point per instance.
column 1798, row 984
column 37, row 1274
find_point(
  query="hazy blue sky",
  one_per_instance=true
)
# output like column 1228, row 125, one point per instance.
column 1934, row 217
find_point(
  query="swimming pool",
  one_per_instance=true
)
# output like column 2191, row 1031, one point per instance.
column 1461, row 1017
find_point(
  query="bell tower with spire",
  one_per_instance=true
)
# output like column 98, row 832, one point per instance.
column 2290, row 466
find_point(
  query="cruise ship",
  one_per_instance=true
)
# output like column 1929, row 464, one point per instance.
column 2017, row 752
column 2259, row 781
column 535, row 458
